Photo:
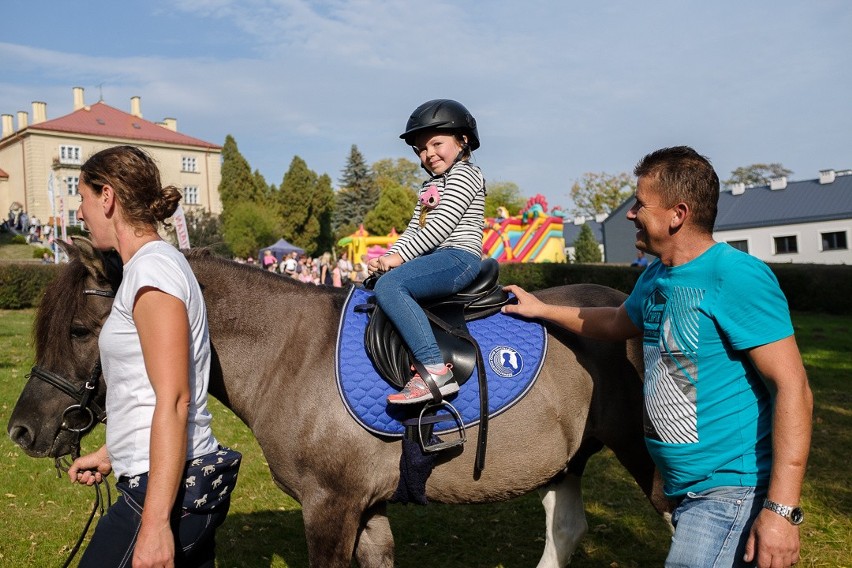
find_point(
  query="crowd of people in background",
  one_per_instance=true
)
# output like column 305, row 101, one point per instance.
column 323, row 270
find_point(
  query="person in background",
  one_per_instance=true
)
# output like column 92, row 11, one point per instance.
column 439, row 252
column 640, row 261
column 268, row 260
column 155, row 351
column 727, row 401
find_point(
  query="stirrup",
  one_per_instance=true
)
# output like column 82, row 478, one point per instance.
column 433, row 420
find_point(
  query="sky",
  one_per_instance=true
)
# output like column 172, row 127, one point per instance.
column 558, row 88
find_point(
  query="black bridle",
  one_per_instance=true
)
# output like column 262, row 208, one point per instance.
column 92, row 412
column 84, row 395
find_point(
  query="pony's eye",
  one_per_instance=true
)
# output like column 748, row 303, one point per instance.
column 79, row 331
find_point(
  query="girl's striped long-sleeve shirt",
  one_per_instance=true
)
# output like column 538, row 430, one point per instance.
column 456, row 222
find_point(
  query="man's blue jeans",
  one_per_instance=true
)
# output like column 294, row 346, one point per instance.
column 439, row 273
column 712, row 527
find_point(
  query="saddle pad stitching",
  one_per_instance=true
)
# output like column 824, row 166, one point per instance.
column 351, row 404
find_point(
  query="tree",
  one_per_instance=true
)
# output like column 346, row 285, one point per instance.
column 304, row 202
column 600, row 193
column 248, row 227
column 205, row 230
column 757, row 174
column 393, row 211
column 358, row 193
column 238, row 184
column 402, row 172
column 503, row 194
column 586, row 249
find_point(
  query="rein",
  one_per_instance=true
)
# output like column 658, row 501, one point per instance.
column 92, row 413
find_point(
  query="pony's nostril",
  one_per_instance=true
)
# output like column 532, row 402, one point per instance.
column 21, row 435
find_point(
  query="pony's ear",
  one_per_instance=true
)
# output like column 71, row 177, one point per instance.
column 83, row 251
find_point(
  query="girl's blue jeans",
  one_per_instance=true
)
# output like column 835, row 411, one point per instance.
column 712, row 527
column 439, row 273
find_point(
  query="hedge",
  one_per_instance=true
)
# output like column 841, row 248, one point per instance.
column 808, row 287
column 22, row 284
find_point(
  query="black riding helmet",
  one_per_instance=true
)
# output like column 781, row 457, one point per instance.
column 442, row 114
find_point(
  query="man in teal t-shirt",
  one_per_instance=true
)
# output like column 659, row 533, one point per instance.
column 727, row 402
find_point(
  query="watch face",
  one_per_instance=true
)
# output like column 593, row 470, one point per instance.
column 797, row 516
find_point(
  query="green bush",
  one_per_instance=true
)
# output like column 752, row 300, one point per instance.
column 38, row 252
column 18, row 240
column 22, row 284
column 809, row 287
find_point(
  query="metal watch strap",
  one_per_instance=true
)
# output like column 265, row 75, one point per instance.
column 785, row 511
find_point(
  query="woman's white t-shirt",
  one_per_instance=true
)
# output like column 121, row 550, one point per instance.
column 130, row 397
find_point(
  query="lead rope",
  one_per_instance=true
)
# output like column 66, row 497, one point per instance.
column 62, row 464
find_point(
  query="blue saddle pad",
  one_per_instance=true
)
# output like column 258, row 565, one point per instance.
column 513, row 350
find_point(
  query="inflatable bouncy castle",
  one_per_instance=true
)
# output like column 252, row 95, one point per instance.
column 531, row 236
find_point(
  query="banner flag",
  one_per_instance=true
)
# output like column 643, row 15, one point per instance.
column 179, row 220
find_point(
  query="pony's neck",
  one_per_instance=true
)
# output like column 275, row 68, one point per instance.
column 265, row 330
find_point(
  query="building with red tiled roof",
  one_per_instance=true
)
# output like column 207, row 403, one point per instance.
column 33, row 154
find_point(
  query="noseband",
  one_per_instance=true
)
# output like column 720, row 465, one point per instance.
column 83, row 395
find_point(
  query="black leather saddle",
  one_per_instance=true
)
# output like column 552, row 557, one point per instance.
column 448, row 317
column 389, row 353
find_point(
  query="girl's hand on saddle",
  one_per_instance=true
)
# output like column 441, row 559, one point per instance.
column 91, row 468
column 382, row 264
column 526, row 304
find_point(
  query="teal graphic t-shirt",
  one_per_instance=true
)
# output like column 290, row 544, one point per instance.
column 707, row 412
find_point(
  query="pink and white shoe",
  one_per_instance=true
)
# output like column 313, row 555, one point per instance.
column 416, row 389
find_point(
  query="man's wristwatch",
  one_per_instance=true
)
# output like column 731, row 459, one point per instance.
column 793, row 514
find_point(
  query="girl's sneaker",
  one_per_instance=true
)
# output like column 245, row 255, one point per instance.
column 416, row 389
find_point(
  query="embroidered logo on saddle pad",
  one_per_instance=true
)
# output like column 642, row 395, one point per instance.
column 513, row 349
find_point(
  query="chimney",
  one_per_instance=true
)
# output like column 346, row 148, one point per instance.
column 8, row 126
column 136, row 106
column 825, row 176
column 23, row 119
column 39, row 112
column 79, row 102
column 601, row 217
column 170, row 123
column 738, row 188
column 778, row 183
column 579, row 220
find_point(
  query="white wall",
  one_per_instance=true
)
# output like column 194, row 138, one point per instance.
column 761, row 242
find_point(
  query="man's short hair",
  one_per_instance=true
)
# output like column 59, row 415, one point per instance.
column 684, row 175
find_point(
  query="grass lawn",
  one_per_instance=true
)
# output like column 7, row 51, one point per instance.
column 42, row 515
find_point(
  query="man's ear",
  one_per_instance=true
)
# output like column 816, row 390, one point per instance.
column 680, row 212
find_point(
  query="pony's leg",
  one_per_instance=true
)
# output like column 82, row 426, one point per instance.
column 331, row 526
column 374, row 546
column 566, row 520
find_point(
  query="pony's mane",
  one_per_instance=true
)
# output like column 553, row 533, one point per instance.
column 63, row 298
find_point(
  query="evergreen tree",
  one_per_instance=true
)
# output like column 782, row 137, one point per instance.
column 305, row 203
column 586, row 249
column 358, row 193
column 238, row 184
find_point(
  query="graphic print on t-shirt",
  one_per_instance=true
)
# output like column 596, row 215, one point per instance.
column 670, row 345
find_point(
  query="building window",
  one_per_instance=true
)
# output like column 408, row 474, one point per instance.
column 188, row 164
column 739, row 245
column 834, row 241
column 72, row 219
column 786, row 245
column 73, row 185
column 190, row 194
column 69, row 154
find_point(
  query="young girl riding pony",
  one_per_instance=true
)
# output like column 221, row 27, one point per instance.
column 441, row 249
